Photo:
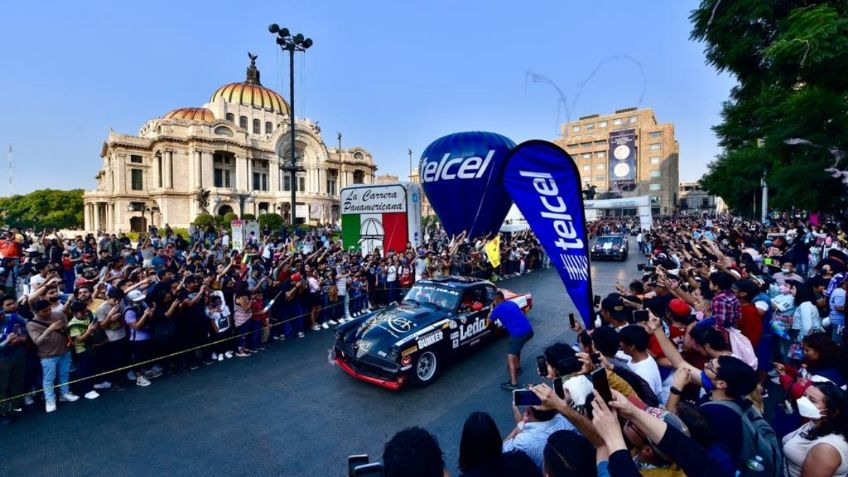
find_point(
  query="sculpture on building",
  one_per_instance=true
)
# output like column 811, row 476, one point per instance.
column 252, row 70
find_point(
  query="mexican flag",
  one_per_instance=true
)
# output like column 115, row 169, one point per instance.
column 366, row 232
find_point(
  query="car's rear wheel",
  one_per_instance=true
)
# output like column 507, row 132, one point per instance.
column 426, row 368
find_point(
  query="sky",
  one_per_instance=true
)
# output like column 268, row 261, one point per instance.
column 390, row 76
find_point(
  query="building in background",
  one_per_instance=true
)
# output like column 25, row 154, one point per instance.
column 694, row 198
column 625, row 154
column 385, row 179
column 232, row 146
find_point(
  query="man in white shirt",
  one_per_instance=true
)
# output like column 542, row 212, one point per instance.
column 634, row 343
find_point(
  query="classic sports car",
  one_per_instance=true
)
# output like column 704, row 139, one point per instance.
column 438, row 320
column 611, row 247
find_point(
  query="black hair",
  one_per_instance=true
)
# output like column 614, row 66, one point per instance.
column 804, row 292
column 499, row 295
column 556, row 354
column 836, row 413
column 700, row 429
column 568, row 454
column 749, row 288
column 722, row 280
column 480, row 444
column 606, row 340
column 707, row 335
column 542, row 415
column 831, row 355
column 115, row 293
column 634, row 335
column 413, row 452
column 637, row 286
column 741, row 379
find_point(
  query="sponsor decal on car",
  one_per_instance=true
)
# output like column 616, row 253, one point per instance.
column 409, row 351
column 472, row 329
column 429, row 340
column 521, row 301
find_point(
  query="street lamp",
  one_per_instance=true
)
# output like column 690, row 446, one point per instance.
column 243, row 198
column 291, row 43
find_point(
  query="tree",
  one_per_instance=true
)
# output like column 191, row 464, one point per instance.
column 272, row 221
column 202, row 199
column 45, row 208
column 790, row 59
column 204, row 220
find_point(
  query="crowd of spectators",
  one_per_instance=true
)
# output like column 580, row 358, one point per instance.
column 725, row 357
column 86, row 314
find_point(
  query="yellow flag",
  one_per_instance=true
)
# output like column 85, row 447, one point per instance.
column 493, row 251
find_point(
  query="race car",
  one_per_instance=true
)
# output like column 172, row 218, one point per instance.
column 438, row 321
column 613, row 247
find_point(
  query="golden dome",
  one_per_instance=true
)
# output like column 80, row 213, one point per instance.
column 192, row 114
column 252, row 94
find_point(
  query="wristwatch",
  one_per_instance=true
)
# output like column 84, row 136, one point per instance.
column 674, row 390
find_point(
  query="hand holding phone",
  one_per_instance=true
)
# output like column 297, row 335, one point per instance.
column 542, row 365
column 640, row 316
column 601, row 384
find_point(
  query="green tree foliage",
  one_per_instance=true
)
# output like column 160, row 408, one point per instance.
column 204, row 220
column 790, row 58
column 228, row 218
column 46, row 208
column 272, row 221
column 248, row 217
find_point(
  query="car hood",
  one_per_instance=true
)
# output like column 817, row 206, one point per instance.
column 386, row 327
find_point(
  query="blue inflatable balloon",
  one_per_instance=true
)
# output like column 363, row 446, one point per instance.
column 462, row 175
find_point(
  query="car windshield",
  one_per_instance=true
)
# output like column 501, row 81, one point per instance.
column 613, row 241
column 442, row 297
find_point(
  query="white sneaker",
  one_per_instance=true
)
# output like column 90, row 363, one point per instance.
column 300, row 334
column 220, row 357
column 50, row 406
column 333, row 322
column 142, row 381
column 215, row 356
column 68, row 397
column 228, row 354
column 103, row 385
column 29, row 401
column 325, row 326
column 92, row 395
column 316, row 328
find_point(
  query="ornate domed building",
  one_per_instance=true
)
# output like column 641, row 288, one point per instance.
column 234, row 147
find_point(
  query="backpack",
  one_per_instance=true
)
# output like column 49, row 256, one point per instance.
column 758, row 440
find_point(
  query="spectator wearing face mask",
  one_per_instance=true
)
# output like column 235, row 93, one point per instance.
column 819, row 447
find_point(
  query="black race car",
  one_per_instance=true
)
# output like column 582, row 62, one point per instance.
column 437, row 321
column 614, row 247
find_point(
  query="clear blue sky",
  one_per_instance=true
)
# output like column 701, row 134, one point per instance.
column 389, row 75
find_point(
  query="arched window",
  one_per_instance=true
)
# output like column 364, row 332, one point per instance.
column 269, row 128
column 243, row 122
column 256, row 126
column 231, row 118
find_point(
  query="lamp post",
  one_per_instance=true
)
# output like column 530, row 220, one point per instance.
column 243, row 198
column 291, row 43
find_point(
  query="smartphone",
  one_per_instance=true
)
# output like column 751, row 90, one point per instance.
column 640, row 316
column 601, row 384
column 374, row 469
column 525, row 397
column 558, row 389
column 596, row 300
column 354, row 461
column 571, row 319
column 596, row 358
column 542, row 364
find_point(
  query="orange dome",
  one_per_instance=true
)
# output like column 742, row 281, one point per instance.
column 252, row 94
column 192, row 114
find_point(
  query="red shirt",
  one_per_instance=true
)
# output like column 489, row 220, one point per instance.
column 751, row 325
column 257, row 306
column 676, row 334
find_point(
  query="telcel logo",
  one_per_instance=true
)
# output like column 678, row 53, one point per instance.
column 457, row 168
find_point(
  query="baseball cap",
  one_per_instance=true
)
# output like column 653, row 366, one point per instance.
column 135, row 296
column 615, row 306
column 679, row 307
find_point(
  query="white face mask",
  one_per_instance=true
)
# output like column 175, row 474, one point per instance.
column 784, row 270
column 807, row 409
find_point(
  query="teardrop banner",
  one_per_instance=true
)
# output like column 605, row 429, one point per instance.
column 461, row 175
column 544, row 183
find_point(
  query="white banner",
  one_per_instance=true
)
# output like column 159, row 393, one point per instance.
column 373, row 199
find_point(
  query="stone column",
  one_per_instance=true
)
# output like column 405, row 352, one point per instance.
column 249, row 165
column 96, row 218
column 274, row 176
column 206, row 169
column 171, row 169
column 240, row 171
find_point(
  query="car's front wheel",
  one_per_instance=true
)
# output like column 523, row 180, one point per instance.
column 426, row 368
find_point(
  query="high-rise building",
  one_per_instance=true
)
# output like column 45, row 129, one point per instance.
column 426, row 208
column 624, row 154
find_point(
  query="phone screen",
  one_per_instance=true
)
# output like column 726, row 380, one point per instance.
column 571, row 319
column 596, row 300
column 374, row 469
column 354, row 461
column 601, row 384
column 542, row 364
column 558, row 389
column 640, row 316
column 525, row 397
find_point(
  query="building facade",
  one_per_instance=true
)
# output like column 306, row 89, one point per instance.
column 694, row 198
column 624, row 154
column 233, row 146
column 426, row 208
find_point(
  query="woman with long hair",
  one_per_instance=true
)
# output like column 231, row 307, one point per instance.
column 480, row 451
column 819, row 447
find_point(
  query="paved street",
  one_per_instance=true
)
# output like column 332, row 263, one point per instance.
column 283, row 412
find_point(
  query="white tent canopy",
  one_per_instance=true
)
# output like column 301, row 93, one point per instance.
column 515, row 221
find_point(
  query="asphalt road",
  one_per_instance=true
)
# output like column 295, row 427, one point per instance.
column 286, row 411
